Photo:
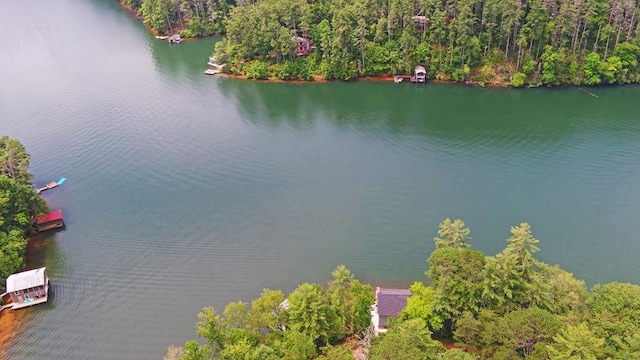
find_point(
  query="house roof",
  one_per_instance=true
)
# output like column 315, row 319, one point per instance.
column 26, row 279
column 392, row 301
column 50, row 216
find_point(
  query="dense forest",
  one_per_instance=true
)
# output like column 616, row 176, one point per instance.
column 19, row 205
column 517, row 42
column 507, row 306
column 190, row 18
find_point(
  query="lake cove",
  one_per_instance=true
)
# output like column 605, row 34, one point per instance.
column 185, row 190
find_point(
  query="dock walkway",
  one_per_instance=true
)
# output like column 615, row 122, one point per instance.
column 51, row 185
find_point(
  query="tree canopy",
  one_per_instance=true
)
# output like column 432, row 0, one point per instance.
column 532, row 42
column 508, row 306
column 19, row 205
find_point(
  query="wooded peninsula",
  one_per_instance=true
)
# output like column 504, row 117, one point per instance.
column 483, row 42
column 507, row 306
column 19, row 206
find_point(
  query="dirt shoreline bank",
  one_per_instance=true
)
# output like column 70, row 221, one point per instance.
column 377, row 78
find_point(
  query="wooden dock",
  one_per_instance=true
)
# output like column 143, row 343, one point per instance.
column 51, row 185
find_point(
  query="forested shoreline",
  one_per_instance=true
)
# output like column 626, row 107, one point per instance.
column 507, row 306
column 19, row 206
column 508, row 42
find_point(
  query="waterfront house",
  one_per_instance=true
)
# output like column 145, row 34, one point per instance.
column 421, row 22
column 389, row 303
column 304, row 46
column 50, row 220
column 28, row 288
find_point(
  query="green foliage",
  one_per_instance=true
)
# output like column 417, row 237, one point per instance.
column 266, row 315
column 614, row 313
column 456, row 277
column 509, row 306
column 611, row 70
column 453, row 234
column 550, row 66
column 521, row 331
column 12, row 248
column 567, row 295
column 548, row 42
column 456, row 354
column 421, row 305
column 19, row 206
column 351, row 302
column 192, row 18
column 310, row 313
column 296, row 345
column 336, row 353
column 592, row 69
column 14, row 161
column 576, row 343
column 407, row 340
column 518, row 79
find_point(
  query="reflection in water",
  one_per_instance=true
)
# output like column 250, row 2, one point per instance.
column 500, row 117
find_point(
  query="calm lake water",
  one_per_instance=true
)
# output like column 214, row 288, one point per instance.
column 185, row 191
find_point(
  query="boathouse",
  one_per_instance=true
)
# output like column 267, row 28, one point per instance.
column 389, row 303
column 50, row 220
column 175, row 39
column 28, row 288
column 420, row 74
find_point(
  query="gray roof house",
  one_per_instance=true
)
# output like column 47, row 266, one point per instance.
column 28, row 288
column 389, row 302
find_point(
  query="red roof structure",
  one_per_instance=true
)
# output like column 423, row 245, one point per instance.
column 50, row 216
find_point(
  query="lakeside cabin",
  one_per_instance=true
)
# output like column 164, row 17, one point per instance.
column 28, row 288
column 175, row 39
column 50, row 220
column 304, row 46
column 389, row 303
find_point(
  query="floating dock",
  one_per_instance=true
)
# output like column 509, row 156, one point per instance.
column 211, row 72
column 51, row 185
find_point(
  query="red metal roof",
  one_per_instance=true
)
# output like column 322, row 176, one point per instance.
column 50, row 216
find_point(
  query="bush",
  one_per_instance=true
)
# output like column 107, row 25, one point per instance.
column 256, row 70
column 518, row 79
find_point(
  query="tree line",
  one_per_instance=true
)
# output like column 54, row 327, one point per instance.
column 507, row 306
column 517, row 42
column 190, row 18
column 19, row 206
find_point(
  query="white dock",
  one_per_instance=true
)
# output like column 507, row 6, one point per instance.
column 211, row 72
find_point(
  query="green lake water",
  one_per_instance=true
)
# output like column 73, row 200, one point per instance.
column 185, row 191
